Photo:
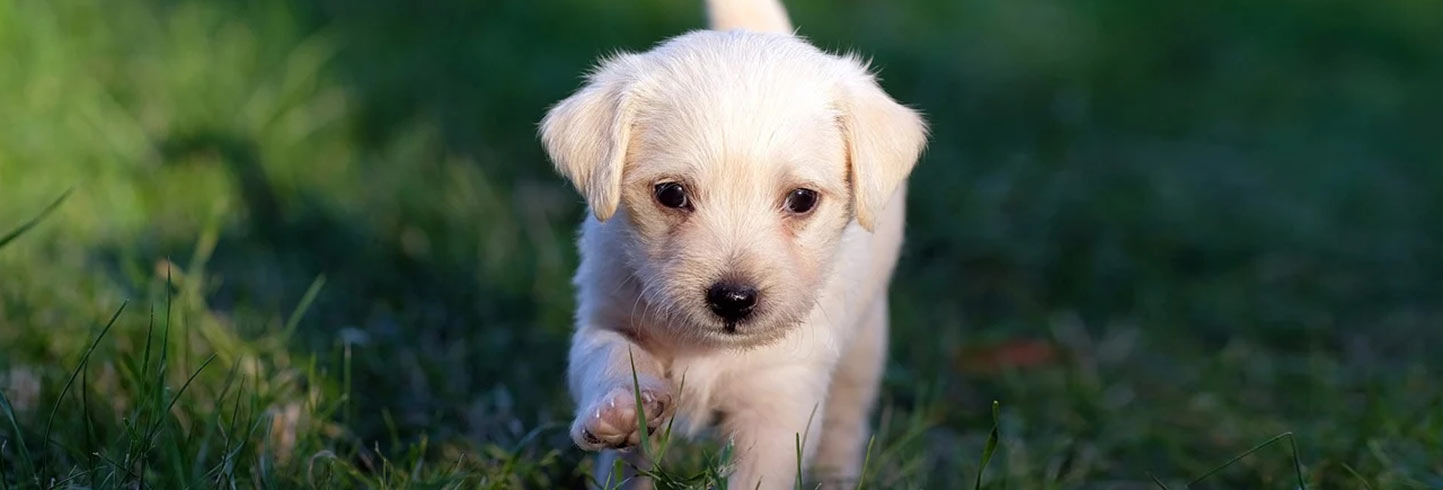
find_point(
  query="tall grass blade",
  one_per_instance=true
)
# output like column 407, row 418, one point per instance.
column 348, row 395
column 19, row 436
column 4, row 480
column 218, row 419
column 991, row 444
column 89, row 424
column 613, row 480
column 799, row 462
column 304, row 305
column 806, row 432
column 149, row 330
column 155, row 428
column 162, row 367
column 866, row 462
column 666, row 435
column 20, row 230
column 1297, row 463
column 640, row 407
column 1364, row 481
column 50, row 420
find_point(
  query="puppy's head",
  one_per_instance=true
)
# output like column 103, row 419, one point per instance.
column 734, row 162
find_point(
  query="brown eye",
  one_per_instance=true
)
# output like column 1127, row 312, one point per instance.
column 672, row 195
column 801, row 201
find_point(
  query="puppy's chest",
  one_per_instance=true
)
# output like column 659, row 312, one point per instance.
column 698, row 383
column 709, row 386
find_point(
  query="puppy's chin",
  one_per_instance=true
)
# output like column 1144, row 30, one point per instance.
column 744, row 335
column 705, row 331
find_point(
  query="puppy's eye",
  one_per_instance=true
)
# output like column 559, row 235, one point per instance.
column 672, row 195
column 802, row 201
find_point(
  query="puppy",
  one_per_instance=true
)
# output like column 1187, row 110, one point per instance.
column 746, row 193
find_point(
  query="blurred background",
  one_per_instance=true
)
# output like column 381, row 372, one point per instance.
column 1158, row 233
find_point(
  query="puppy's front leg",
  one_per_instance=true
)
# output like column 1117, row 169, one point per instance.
column 849, row 403
column 600, row 376
column 764, row 420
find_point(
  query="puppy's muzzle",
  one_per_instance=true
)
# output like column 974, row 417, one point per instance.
column 731, row 301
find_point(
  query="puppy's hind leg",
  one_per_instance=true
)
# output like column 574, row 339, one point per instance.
column 849, row 403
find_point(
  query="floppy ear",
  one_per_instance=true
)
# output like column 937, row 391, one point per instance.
column 587, row 134
column 884, row 139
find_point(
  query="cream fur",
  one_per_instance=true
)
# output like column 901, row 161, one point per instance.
column 740, row 118
column 752, row 15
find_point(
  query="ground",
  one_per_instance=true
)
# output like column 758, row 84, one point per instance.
column 1156, row 236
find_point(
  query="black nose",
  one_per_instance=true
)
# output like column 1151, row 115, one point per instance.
column 731, row 301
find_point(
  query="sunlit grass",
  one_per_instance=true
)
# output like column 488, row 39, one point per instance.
column 1219, row 221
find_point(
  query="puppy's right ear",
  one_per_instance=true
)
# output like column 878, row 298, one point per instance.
column 884, row 139
column 587, row 135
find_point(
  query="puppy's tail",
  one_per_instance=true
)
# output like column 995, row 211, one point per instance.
column 751, row 15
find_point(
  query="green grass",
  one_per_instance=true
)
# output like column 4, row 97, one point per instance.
column 1158, row 236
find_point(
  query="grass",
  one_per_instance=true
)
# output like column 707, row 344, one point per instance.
column 1158, row 236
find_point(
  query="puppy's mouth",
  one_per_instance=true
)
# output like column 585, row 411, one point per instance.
column 751, row 332
column 735, row 327
column 738, row 329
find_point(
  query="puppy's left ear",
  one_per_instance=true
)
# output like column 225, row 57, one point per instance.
column 884, row 139
column 587, row 135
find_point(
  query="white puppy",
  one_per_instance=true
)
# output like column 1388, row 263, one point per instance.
column 746, row 192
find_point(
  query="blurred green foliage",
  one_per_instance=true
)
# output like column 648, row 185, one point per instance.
column 1225, row 215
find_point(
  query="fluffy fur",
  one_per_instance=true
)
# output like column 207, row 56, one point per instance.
column 740, row 119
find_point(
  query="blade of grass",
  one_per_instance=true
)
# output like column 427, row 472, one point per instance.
column 89, row 424
column 806, row 432
column 724, row 457
column 991, row 444
column 303, row 306
column 617, row 467
column 130, row 428
column 156, row 427
column 1355, row 474
column 516, row 449
column 1157, row 481
column 160, row 370
column 226, row 467
column 50, row 420
column 799, row 461
column 866, row 461
column 118, row 465
column 640, row 407
column 62, row 483
column 20, row 230
column 1297, row 463
column 149, row 330
column 4, row 480
column 218, row 415
column 19, row 436
column 666, row 435
column 349, row 408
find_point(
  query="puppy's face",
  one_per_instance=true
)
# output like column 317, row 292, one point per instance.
column 734, row 161
column 735, row 200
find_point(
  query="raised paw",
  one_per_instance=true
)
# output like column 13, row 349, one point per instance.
column 610, row 422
